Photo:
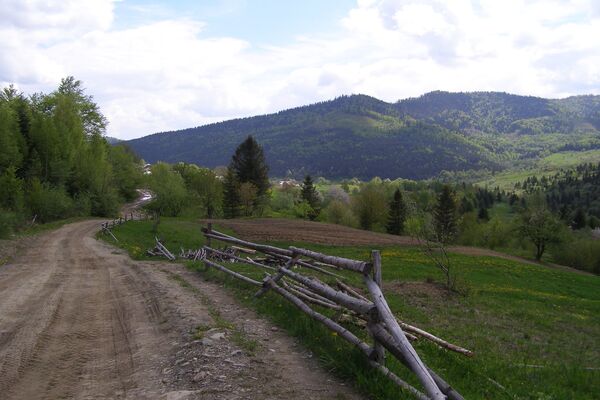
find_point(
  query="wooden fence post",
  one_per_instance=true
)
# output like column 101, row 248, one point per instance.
column 208, row 230
column 378, row 354
column 208, row 241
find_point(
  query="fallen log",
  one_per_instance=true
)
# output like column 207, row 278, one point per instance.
column 440, row 342
column 232, row 273
column 354, row 304
column 350, row 290
column 240, row 259
column 346, row 263
column 244, row 250
column 309, row 298
column 307, row 265
column 260, row 247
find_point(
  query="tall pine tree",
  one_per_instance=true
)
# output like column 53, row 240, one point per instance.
column 397, row 214
column 249, row 165
column 444, row 216
column 232, row 201
column 310, row 195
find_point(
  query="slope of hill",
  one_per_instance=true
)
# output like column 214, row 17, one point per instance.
column 360, row 136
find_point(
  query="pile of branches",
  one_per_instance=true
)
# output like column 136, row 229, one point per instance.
column 368, row 309
column 160, row 250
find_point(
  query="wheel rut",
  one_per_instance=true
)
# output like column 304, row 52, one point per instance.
column 81, row 320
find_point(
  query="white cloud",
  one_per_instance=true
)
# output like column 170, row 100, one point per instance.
column 169, row 74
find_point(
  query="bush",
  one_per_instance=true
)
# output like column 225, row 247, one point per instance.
column 8, row 222
column 283, row 201
column 581, row 253
column 337, row 212
column 49, row 203
column 105, row 204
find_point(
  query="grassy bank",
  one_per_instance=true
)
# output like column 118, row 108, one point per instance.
column 534, row 329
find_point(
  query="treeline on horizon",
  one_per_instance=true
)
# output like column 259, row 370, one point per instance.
column 530, row 222
column 54, row 160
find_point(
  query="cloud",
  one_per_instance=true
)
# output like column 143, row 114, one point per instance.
column 169, row 74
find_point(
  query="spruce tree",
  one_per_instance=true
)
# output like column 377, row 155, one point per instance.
column 483, row 214
column 397, row 215
column 444, row 215
column 231, row 195
column 579, row 219
column 249, row 165
column 310, row 195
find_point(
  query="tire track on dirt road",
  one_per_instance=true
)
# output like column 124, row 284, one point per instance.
column 80, row 320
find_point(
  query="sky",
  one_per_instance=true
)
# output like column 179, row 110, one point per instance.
column 159, row 66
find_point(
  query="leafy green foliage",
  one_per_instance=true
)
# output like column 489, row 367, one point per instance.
column 370, row 206
column 540, row 227
column 54, row 160
column 169, row 189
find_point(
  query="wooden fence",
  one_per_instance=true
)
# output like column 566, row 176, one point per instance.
column 132, row 216
column 385, row 331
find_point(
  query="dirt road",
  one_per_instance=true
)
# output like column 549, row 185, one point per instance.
column 79, row 319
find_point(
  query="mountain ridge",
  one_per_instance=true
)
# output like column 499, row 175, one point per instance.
column 362, row 136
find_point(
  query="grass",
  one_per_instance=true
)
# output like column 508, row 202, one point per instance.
column 174, row 233
column 534, row 329
column 547, row 166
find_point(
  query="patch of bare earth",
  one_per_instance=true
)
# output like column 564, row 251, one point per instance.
column 280, row 229
column 81, row 320
column 295, row 230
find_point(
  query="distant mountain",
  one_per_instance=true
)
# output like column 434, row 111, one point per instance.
column 360, row 136
column 113, row 140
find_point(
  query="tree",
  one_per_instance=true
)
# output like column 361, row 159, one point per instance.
column 169, row 190
column 203, row 185
column 249, row 165
column 397, row 214
column 311, row 196
column 483, row 214
column 370, row 206
column 11, row 190
column 248, row 193
column 579, row 219
column 423, row 229
column 444, row 215
column 127, row 171
column 541, row 228
column 231, row 195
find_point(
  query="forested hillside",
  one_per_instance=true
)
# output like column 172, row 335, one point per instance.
column 55, row 162
column 360, row 136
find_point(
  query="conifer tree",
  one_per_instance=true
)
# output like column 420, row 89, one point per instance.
column 579, row 219
column 483, row 214
column 249, row 165
column 397, row 215
column 231, row 195
column 310, row 195
column 445, row 224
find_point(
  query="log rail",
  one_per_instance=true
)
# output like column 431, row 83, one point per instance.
column 372, row 310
